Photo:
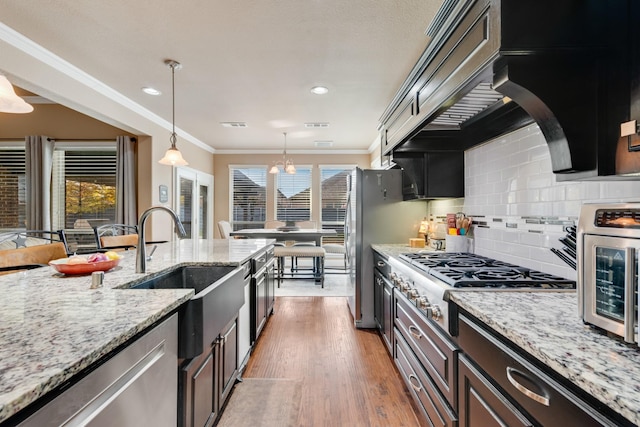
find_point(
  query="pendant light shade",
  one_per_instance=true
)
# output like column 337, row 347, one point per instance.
column 286, row 164
column 173, row 157
column 9, row 101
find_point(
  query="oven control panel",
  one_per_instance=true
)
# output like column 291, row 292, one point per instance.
column 617, row 218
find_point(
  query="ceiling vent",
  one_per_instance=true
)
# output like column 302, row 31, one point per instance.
column 316, row 125
column 234, row 124
column 323, row 144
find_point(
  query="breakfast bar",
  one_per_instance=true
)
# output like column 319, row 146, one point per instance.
column 54, row 327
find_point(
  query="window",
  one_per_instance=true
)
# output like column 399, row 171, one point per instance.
column 12, row 187
column 333, row 199
column 248, row 196
column 83, row 190
column 293, row 195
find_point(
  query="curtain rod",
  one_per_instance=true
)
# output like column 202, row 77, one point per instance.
column 133, row 138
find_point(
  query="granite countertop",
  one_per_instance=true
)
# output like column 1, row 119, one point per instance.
column 53, row 326
column 547, row 326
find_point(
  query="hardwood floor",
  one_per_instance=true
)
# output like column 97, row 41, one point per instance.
column 348, row 376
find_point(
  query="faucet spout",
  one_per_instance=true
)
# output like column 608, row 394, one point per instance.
column 141, row 253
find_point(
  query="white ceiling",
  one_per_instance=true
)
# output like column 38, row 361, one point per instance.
column 243, row 61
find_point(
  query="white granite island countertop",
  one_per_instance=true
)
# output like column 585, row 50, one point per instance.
column 546, row 325
column 53, row 326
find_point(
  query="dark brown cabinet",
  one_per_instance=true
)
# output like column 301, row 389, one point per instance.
column 481, row 404
column 427, row 360
column 382, row 300
column 207, row 380
column 498, row 384
column 228, row 346
column 262, row 291
column 431, row 175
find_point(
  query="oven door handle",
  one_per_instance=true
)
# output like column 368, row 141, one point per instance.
column 629, row 294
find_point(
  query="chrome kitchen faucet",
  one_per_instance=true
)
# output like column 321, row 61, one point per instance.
column 141, row 254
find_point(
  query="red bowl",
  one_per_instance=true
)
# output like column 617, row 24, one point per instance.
column 75, row 269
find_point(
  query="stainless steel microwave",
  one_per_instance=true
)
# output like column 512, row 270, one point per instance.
column 608, row 246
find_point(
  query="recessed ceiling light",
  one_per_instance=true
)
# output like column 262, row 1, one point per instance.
column 319, row 90
column 234, row 124
column 151, row 91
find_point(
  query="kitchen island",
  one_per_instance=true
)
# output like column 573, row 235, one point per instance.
column 54, row 327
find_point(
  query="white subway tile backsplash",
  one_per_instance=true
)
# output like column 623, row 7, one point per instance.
column 510, row 178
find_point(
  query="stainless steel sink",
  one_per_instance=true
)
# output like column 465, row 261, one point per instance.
column 219, row 296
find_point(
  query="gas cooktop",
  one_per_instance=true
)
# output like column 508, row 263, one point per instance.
column 461, row 270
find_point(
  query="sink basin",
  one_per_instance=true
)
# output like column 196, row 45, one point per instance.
column 190, row 277
column 218, row 298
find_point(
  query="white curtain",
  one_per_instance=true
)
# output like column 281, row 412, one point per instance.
column 39, row 161
column 126, row 209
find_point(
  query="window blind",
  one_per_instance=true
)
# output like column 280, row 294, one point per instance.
column 293, row 195
column 248, row 196
column 333, row 200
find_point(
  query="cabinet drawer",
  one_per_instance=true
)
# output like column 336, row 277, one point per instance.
column 434, row 407
column 434, row 350
column 483, row 405
column 546, row 400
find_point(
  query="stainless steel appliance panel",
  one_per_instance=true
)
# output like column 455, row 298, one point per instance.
column 608, row 244
column 611, row 286
column 376, row 214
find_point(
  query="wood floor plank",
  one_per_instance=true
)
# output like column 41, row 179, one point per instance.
column 348, row 377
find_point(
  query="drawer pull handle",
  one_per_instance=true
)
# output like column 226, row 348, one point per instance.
column 415, row 332
column 381, row 264
column 413, row 380
column 522, row 389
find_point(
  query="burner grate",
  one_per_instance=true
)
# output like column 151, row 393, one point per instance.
column 460, row 269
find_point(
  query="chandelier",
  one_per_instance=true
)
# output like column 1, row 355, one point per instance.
column 286, row 164
column 173, row 157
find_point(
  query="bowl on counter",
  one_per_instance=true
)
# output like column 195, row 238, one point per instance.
column 62, row 266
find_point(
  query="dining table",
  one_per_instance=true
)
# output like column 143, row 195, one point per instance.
column 301, row 235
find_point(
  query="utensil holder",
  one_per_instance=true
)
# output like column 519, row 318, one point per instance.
column 456, row 243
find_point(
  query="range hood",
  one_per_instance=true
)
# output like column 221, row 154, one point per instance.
column 493, row 66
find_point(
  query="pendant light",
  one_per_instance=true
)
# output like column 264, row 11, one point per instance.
column 173, row 157
column 9, row 101
column 287, row 164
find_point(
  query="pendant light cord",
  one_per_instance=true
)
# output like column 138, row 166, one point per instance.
column 173, row 105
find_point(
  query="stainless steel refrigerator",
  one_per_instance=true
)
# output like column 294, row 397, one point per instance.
column 375, row 214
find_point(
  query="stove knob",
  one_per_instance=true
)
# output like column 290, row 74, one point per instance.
column 436, row 313
column 393, row 277
column 413, row 294
column 423, row 303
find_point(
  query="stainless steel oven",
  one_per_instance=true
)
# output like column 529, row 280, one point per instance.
column 608, row 248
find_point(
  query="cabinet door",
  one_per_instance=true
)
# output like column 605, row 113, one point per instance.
column 228, row 360
column 444, row 174
column 481, row 404
column 387, row 315
column 270, row 287
column 198, row 393
column 378, row 285
column 260, row 292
